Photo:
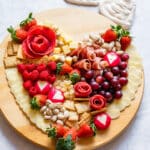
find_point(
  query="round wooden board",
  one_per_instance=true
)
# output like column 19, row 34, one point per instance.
column 76, row 23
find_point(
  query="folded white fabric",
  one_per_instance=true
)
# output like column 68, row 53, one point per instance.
column 84, row 2
column 119, row 11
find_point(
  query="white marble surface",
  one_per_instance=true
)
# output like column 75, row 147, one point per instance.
column 137, row 135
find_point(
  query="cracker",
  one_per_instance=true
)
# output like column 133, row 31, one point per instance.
column 10, row 62
column 82, row 107
column 19, row 52
column 15, row 48
column 69, row 105
column 10, row 49
column 84, row 118
column 73, row 116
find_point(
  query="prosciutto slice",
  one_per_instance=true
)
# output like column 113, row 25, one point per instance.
column 89, row 53
column 96, row 64
column 83, row 64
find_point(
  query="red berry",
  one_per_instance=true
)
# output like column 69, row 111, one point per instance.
column 27, row 84
column 51, row 78
column 109, row 35
column 26, row 75
column 21, row 67
column 30, row 67
column 52, row 65
column 33, row 91
column 125, row 42
column 34, row 75
column 21, row 34
column 44, row 75
column 41, row 67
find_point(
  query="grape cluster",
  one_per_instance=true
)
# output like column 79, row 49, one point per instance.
column 110, row 81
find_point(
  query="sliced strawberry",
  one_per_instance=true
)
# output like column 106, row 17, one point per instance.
column 27, row 84
column 44, row 75
column 112, row 58
column 43, row 87
column 56, row 96
column 85, row 131
column 102, row 121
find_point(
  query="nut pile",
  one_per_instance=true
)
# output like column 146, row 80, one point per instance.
column 54, row 112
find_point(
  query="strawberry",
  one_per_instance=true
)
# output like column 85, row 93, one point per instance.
column 30, row 67
column 72, row 132
column 125, row 41
column 21, row 34
column 74, row 76
column 34, row 75
column 26, row 75
column 41, row 67
column 63, row 68
column 44, row 75
column 27, row 84
column 21, row 67
column 52, row 66
column 56, row 131
column 28, row 22
column 51, row 78
column 38, row 101
column 86, row 131
column 17, row 35
column 109, row 35
column 32, row 91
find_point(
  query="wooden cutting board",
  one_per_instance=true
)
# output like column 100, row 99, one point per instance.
column 76, row 23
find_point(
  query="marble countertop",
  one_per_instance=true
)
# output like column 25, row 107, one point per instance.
column 137, row 135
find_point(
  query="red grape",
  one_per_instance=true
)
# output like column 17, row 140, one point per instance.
column 99, row 79
column 89, row 74
column 118, row 94
column 115, row 70
column 125, row 57
column 118, row 86
column 108, row 75
column 108, row 96
column 102, row 92
column 123, row 81
column 94, row 85
column 123, row 73
column 123, row 65
column 105, row 85
column 114, row 81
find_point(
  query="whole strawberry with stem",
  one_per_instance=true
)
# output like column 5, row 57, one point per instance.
column 28, row 22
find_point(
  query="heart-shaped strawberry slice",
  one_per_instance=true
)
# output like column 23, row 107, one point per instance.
column 56, row 96
column 102, row 121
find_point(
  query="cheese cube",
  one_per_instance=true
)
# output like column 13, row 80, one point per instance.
column 68, row 60
column 57, row 50
column 66, row 49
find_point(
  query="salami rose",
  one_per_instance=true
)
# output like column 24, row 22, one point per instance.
column 39, row 42
column 82, row 89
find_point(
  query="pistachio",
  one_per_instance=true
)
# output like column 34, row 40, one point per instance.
column 60, row 122
column 54, row 118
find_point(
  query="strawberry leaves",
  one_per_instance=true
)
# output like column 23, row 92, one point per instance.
column 65, row 143
column 26, row 21
column 34, row 104
column 51, row 132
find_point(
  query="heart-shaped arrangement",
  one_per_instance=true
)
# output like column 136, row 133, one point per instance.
column 69, row 84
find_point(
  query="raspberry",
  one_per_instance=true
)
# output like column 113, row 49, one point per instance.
column 34, row 75
column 51, row 78
column 41, row 67
column 52, row 65
column 30, row 67
column 44, row 75
column 32, row 91
column 26, row 75
column 27, row 84
column 21, row 67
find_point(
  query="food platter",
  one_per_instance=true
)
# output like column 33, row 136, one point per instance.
column 76, row 26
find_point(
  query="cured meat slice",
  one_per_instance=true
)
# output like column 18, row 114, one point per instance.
column 96, row 64
column 83, row 64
